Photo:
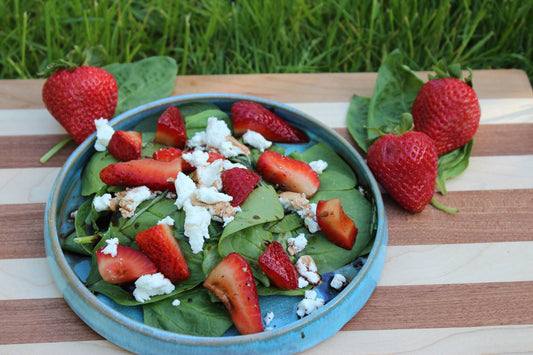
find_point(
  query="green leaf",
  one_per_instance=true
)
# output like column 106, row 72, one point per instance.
column 453, row 164
column 143, row 81
column 195, row 315
column 90, row 179
column 357, row 120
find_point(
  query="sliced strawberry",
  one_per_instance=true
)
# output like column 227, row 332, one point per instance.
column 276, row 264
column 239, row 183
column 167, row 154
column 126, row 266
column 287, row 173
column 233, row 283
column 125, row 145
column 160, row 245
column 336, row 225
column 154, row 174
column 171, row 128
column 248, row 115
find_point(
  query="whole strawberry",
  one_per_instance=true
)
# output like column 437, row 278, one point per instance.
column 447, row 110
column 406, row 167
column 77, row 97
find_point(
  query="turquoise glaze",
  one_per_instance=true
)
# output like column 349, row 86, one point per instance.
column 123, row 326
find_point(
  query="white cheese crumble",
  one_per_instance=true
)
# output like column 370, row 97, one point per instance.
column 176, row 302
column 102, row 203
column 302, row 282
column 197, row 220
column 256, row 140
column 167, row 220
column 185, row 187
column 211, row 195
column 309, row 304
column 318, row 166
column 296, row 245
column 338, row 281
column 197, row 142
column 296, row 202
column 227, row 164
column 104, row 132
column 111, row 247
column 306, row 268
column 196, row 158
column 268, row 318
column 129, row 199
column 147, row 286
column 210, row 175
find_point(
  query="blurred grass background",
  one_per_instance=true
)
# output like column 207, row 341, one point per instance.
column 278, row 36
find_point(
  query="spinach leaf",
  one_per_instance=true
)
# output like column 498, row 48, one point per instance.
column 357, row 120
column 90, row 179
column 143, row 81
column 453, row 164
column 195, row 315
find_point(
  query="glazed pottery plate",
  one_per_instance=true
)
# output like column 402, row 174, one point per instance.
column 287, row 333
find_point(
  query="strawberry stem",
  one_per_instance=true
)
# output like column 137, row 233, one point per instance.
column 441, row 207
column 54, row 150
column 87, row 239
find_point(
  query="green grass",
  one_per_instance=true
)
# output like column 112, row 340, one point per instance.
column 258, row 36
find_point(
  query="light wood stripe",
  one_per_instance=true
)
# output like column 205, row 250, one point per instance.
column 452, row 264
column 88, row 347
column 389, row 307
column 494, row 111
column 26, row 185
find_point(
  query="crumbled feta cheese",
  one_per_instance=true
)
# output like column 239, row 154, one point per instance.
column 104, row 132
column 256, row 140
column 210, row 175
column 147, row 286
column 338, row 281
column 302, row 282
column 167, row 220
column 296, row 202
column 216, row 132
column 197, row 220
column 268, row 318
column 176, row 302
column 129, row 199
column 196, row 158
column 102, row 203
column 185, row 187
column 197, row 142
column 306, row 268
column 318, row 166
column 296, row 245
column 211, row 195
column 111, row 247
column 309, row 304
column 227, row 164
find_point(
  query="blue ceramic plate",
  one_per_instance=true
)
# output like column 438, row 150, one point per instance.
column 123, row 325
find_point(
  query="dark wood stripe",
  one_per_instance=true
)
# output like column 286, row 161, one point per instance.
column 41, row 321
column 389, row 307
column 25, row 151
column 443, row 306
column 22, row 231
column 484, row 217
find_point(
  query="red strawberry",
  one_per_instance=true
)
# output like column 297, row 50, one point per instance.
column 167, row 154
column 447, row 110
column 406, row 166
column 125, row 145
column 75, row 98
column 233, row 283
column 154, row 174
column 160, row 245
column 287, row 173
column 239, row 183
column 248, row 115
column 171, row 128
column 127, row 266
column 276, row 264
column 336, row 225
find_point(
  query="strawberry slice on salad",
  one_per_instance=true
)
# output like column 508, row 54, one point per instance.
column 171, row 153
column 276, row 264
column 171, row 128
column 154, row 174
column 233, row 283
column 336, row 225
column 248, row 115
column 125, row 267
column 160, row 245
column 287, row 173
column 239, row 183
column 125, row 145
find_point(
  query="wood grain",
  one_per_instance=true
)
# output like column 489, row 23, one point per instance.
column 325, row 87
column 22, row 231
